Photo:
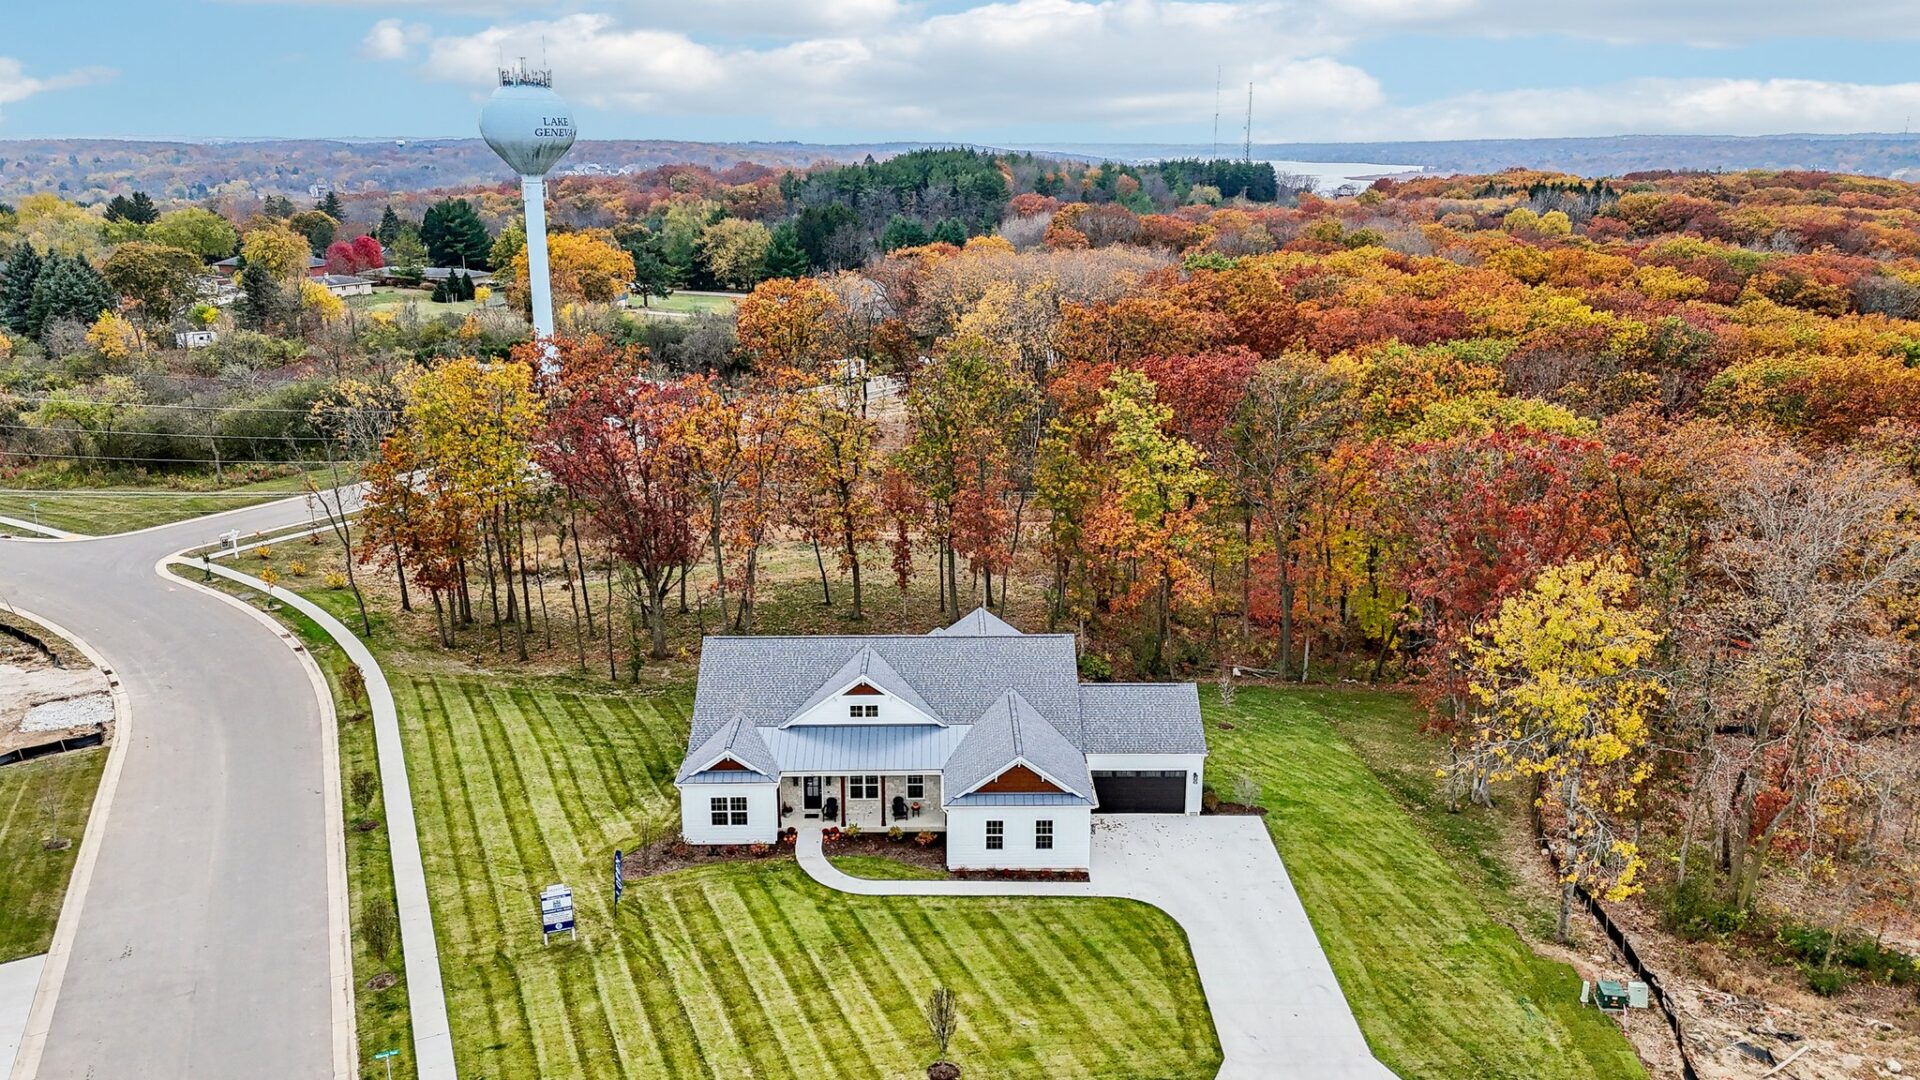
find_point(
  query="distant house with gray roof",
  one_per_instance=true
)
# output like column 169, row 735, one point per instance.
column 975, row 730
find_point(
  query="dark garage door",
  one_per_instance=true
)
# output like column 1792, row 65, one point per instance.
column 1141, row 792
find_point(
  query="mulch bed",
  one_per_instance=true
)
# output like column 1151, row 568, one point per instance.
column 931, row 857
column 1021, row 875
column 666, row 856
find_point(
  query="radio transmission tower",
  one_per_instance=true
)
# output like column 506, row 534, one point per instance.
column 1246, row 151
column 1214, row 154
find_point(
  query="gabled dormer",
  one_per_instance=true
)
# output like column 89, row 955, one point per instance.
column 1012, row 750
column 865, row 691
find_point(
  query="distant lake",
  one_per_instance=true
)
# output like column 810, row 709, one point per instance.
column 1332, row 175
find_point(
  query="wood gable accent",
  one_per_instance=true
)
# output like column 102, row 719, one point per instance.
column 1018, row 780
column 727, row 764
column 863, row 689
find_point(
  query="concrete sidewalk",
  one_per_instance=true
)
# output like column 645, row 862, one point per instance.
column 1276, row 1004
column 17, row 982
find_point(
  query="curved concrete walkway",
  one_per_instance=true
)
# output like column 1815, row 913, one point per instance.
column 426, row 996
column 1276, row 1005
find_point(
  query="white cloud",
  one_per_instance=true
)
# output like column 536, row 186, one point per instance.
column 1120, row 63
column 391, row 39
column 17, row 85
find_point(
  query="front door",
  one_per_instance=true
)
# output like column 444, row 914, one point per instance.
column 810, row 795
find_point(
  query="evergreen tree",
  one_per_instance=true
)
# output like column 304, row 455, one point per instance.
column 260, row 302
column 455, row 236
column 785, row 259
column 277, row 206
column 902, row 231
column 16, row 287
column 139, row 209
column 651, row 275
column 440, row 291
column 332, row 206
column 950, row 231
column 389, row 228
column 67, row 288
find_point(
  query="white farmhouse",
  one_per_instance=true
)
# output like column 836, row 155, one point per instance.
column 977, row 731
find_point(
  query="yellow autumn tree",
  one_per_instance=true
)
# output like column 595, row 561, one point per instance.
column 1564, row 698
column 586, row 267
column 281, row 250
column 113, row 337
column 316, row 302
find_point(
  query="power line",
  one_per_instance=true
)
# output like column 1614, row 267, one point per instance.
column 167, row 434
column 192, row 408
column 168, row 460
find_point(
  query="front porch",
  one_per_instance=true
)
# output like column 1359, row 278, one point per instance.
column 875, row 802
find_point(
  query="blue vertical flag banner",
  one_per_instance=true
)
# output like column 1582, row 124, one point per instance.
column 619, row 876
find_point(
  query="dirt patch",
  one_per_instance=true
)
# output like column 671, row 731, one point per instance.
column 48, row 690
column 384, row 980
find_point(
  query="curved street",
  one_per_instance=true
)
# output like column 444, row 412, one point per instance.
column 202, row 946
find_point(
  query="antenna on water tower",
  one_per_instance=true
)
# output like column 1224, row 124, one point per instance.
column 531, row 128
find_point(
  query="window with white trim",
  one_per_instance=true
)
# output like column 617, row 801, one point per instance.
column 916, row 787
column 996, row 835
column 859, row 711
column 729, row 809
column 1043, row 835
column 863, row 787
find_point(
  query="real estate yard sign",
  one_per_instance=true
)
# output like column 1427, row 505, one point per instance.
column 556, row 911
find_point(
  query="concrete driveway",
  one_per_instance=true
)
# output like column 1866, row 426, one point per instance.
column 1275, row 1002
column 204, row 944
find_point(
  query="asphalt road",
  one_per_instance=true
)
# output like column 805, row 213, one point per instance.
column 202, row 948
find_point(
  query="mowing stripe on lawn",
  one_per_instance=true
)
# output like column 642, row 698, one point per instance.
column 719, row 1042
column 666, row 1010
column 799, row 969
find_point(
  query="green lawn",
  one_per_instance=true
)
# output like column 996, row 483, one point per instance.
column 41, row 800
column 745, row 969
column 684, row 303
column 390, row 298
column 1441, row 990
column 881, row 868
column 96, row 512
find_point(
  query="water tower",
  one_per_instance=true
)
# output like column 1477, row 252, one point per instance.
column 531, row 128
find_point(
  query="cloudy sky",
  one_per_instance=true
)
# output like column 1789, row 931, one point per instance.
column 1016, row 71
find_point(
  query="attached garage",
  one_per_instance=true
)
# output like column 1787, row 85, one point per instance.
column 1141, row 791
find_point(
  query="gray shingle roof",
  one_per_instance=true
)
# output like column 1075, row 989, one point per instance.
column 1013, row 731
column 869, row 666
column 767, row 679
column 977, row 623
column 1141, row 718
column 736, row 738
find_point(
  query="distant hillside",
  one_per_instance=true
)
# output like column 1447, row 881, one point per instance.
column 87, row 170
column 1871, row 154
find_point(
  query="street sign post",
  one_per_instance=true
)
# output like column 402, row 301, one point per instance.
column 619, row 877
column 387, row 1056
column 556, row 912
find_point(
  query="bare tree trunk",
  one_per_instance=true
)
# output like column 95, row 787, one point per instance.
column 586, row 595
column 613, row 671
column 493, row 590
column 825, row 590
column 400, row 571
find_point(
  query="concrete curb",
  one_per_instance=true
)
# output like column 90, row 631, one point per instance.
column 346, row 1064
column 427, row 1001
column 33, row 1040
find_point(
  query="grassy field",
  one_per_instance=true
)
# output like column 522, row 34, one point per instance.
column 41, row 800
column 122, row 508
column 738, row 969
column 389, row 298
column 1441, row 989
column 683, row 303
